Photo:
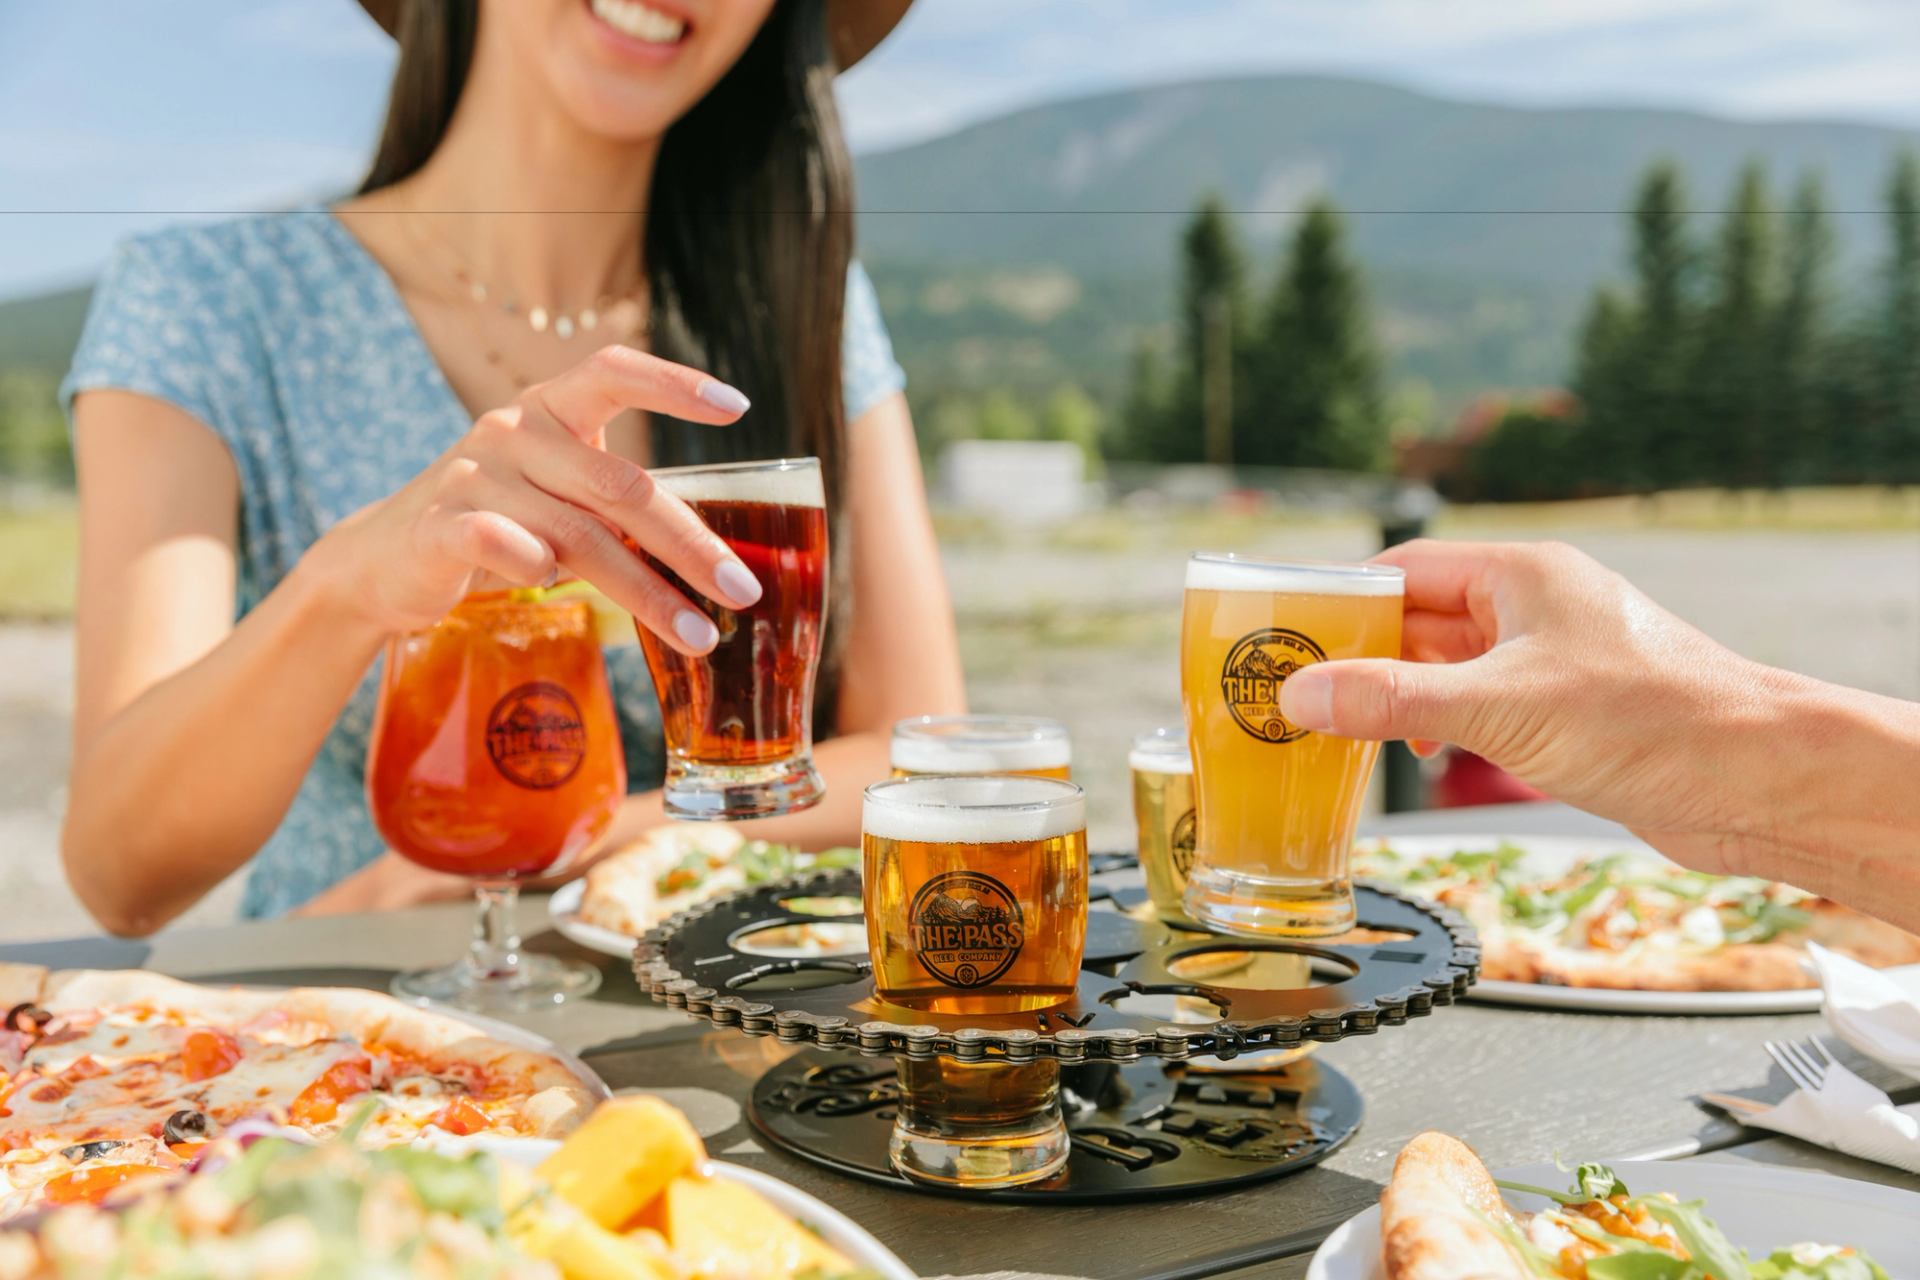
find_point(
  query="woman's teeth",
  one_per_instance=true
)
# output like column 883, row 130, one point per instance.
column 641, row 21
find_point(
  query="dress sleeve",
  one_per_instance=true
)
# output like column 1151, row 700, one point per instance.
column 868, row 371
column 152, row 328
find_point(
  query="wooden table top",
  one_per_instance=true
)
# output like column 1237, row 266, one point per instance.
column 1521, row 1085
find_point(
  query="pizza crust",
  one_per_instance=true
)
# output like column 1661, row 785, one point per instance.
column 21, row 984
column 622, row 892
column 1437, row 1216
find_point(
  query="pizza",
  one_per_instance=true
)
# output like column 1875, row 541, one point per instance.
column 1634, row 921
column 109, row 1077
column 675, row 867
column 1443, row 1217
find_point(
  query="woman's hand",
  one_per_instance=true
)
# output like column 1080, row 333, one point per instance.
column 528, row 491
column 1562, row 673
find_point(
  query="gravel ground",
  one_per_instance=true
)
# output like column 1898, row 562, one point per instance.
column 1090, row 636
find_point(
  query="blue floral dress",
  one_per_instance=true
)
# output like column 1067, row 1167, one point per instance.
column 282, row 334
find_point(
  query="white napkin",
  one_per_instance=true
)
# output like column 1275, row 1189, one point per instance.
column 1849, row 1115
column 1877, row 1012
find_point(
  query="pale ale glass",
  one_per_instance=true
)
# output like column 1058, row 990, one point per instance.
column 1163, row 812
column 738, row 721
column 976, row 903
column 1276, row 804
column 1031, row 745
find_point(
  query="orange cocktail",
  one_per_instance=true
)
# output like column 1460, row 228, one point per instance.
column 496, row 755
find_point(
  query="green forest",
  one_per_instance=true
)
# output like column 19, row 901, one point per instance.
column 1729, row 358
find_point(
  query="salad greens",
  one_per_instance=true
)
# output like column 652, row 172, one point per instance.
column 1710, row 1253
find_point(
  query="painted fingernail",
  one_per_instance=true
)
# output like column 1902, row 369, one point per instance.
column 723, row 397
column 695, row 631
column 1307, row 699
column 738, row 583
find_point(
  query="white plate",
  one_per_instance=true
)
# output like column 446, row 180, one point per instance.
column 1551, row 855
column 563, row 908
column 1758, row 1206
column 845, row 1235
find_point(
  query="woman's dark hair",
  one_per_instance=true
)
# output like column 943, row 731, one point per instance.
column 747, row 239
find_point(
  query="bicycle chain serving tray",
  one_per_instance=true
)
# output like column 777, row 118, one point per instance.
column 1147, row 1117
column 1417, row 955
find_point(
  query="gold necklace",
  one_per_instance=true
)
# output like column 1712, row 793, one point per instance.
column 623, row 314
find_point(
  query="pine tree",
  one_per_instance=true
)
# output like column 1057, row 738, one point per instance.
column 1213, row 321
column 1602, row 384
column 1900, row 326
column 1730, row 427
column 1316, row 368
column 1652, row 444
column 1148, row 431
column 1797, row 438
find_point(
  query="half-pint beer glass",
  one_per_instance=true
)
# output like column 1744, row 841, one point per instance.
column 738, row 722
column 976, row 902
column 1163, row 812
column 982, row 744
column 1276, row 804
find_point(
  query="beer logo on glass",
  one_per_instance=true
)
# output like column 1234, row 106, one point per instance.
column 1255, row 669
column 1180, row 844
column 966, row 928
column 535, row 736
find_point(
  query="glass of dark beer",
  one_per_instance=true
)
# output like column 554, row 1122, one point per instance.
column 738, row 721
column 976, row 903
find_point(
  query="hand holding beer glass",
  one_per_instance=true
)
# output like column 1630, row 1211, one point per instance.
column 976, row 903
column 738, row 721
column 495, row 755
column 1276, row 804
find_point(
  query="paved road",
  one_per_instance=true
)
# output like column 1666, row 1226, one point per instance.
column 1090, row 635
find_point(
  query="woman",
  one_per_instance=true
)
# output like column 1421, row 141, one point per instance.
column 332, row 424
column 1557, row 670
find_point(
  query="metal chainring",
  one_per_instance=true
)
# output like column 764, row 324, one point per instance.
column 689, row 962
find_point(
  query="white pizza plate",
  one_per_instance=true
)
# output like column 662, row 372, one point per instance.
column 563, row 908
column 846, row 1236
column 1550, row 855
column 1759, row 1207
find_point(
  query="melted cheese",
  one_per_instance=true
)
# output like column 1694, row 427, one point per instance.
column 267, row 1077
column 117, row 1038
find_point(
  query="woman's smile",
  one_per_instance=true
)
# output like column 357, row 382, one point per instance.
column 639, row 29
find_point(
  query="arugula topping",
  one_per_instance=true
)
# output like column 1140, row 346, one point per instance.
column 1710, row 1253
column 1750, row 910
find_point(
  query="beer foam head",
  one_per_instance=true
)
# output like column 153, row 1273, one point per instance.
column 1162, row 751
column 980, row 744
column 973, row 809
column 790, row 482
column 1224, row 571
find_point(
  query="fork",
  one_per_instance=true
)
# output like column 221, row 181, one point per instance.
column 1800, row 1063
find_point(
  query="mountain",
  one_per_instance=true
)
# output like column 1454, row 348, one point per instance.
column 1036, row 248
column 1037, row 245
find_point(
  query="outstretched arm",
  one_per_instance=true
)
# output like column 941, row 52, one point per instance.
column 1561, row 672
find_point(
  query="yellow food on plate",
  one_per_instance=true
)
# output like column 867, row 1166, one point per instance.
column 726, row 1229
column 621, row 1158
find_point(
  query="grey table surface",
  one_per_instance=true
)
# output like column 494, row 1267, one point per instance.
column 1521, row 1085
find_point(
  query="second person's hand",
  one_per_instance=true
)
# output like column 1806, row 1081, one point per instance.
column 1559, row 671
column 530, row 490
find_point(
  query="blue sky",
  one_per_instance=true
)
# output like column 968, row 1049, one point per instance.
column 118, row 114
